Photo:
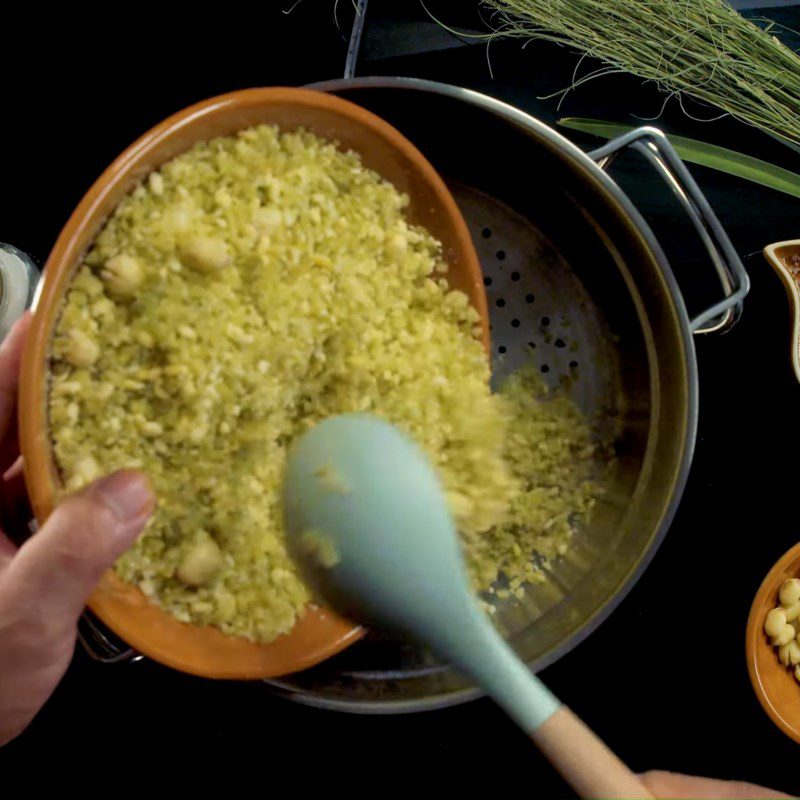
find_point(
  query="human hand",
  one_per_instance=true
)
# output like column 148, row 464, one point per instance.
column 673, row 786
column 44, row 584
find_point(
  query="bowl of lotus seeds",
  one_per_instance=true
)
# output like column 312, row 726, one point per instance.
column 773, row 646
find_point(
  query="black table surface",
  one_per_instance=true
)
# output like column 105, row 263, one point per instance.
column 664, row 679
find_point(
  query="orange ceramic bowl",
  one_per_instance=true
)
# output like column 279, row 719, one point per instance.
column 319, row 633
column 775, row 685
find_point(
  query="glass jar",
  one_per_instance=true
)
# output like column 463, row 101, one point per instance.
column 19, row 278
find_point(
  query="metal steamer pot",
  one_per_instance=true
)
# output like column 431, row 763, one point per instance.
column 577, row 283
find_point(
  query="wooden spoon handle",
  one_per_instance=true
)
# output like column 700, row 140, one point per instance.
column 583, row 759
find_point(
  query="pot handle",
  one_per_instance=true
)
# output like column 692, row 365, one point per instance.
column 654, row 145
column 99, row 646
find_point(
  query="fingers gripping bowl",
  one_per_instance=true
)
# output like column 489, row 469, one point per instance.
column 203, row 649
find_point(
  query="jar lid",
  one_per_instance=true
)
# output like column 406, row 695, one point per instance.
column 19, row 277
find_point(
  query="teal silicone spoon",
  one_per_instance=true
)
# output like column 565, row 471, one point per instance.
column 369, row 526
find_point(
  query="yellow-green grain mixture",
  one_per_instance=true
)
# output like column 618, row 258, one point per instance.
column 252, row 286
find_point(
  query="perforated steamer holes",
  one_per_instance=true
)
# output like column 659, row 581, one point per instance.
column 529, row 323
column 540, row 313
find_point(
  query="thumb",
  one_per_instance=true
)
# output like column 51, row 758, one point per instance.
column 57, row 569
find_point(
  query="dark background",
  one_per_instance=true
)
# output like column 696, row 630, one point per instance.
column 664, row 679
